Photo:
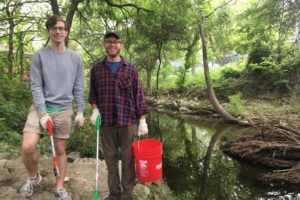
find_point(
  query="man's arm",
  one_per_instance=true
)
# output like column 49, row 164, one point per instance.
column 36, row 80
column 79, row 87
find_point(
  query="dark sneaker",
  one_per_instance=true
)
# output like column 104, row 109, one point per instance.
column 28, row 187
column 113, row 197
column 62, row 194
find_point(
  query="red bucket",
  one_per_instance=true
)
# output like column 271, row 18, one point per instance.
column 148, row 160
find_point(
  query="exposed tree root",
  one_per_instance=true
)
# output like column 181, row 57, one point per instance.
column 275, row 145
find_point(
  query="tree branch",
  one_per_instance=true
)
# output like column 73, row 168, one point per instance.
column 218, row 7
column 87, row 51
column 121, row 6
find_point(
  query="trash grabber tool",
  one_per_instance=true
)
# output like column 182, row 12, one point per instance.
column 98, row 123
column 55, row 164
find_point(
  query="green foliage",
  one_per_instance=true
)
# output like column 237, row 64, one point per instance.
column 181, row 78
column 258, row 54
column 230, row 73
column 14, row 104
column 194, row 79
column 83, row 140
column 44, row 145
column 186, row 195
column 236, row 106
column 219, row 30
column 15, row 99
column 291, row 64
column 7, row 136
column 270, row 75
column 164, row 24
column 293, row 102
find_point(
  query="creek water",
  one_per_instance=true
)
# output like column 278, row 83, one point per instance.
column 194, row 167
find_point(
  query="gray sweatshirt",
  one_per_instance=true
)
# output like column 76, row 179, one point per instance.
column 56, row 78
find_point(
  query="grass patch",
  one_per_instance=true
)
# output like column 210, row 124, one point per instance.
column 236, row 105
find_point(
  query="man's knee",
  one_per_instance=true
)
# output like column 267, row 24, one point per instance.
column 60, row 148
column 29, row 142
column 28, row 148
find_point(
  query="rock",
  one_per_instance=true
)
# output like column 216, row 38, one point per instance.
column 183, row 109
column 66, row 179
column 9, row 193
column 141, row 192
column 2, row 163
column 73, row 156
column 4, row 175
column 4, row 155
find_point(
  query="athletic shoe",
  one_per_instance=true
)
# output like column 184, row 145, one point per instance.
column 28, row 187
column 62, row 194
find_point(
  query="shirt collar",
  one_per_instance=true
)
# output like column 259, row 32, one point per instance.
column 123, row 61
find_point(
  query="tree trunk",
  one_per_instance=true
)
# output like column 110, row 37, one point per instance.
column 55, row 7
column 21, row 56
column 70, row 15
column 149, row 74
column 211, row 94
column 159, row 64
column 10, row 55
column 149, row 67
column 187, row 64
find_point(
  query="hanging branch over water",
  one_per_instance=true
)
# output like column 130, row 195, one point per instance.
column 211, row 94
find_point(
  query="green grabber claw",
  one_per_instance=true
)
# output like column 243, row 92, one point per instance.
column 98, row 121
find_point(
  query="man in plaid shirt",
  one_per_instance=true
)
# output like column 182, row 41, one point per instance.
column 117, row 94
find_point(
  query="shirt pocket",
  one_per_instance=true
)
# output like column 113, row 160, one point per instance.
column 125, row 83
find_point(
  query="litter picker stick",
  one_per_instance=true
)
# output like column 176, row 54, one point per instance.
column 55, row 163
column 96, row 193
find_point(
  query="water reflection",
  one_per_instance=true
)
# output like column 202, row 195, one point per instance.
column 214, row 139
column 195, row 168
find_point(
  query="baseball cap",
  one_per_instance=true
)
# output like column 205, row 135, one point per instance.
column 113, row 34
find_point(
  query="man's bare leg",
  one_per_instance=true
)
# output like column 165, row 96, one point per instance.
column 62, row 161
column 30, row 154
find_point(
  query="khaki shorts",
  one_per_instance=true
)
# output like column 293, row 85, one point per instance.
column 62, row 123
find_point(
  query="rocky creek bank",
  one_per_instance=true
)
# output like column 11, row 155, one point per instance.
column 80, row 181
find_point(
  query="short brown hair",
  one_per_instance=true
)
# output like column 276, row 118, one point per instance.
column 52, row 20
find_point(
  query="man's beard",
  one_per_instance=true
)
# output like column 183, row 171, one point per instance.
column 113, row 55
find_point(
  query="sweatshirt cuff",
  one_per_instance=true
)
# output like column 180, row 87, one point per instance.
column 80, row 109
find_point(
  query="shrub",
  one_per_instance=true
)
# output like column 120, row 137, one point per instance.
column 7, row 136
column 83, row 140
column 236, row 106
column 230, row 73
column 258, row 54
column 15, row 99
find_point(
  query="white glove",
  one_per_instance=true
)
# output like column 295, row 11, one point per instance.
column 79, row 119
column 143, row 127
column 94, row 116
column 44, row 118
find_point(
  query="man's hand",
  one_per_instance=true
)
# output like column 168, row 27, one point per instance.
column 94, row 116
column 44, row 118
column 143, row 127
column 79, row 119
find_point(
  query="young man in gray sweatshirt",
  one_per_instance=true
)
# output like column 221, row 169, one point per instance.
column 56, row 77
